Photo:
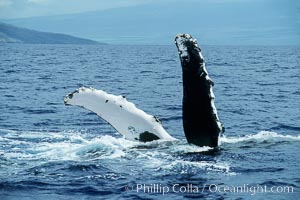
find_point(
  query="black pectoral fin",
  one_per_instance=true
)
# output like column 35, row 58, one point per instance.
column 200, row 120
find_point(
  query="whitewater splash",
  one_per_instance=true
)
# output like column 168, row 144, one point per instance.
column 42, row 147
column 262, row 136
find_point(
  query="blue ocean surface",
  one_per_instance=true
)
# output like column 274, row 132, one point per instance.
column 52, row 151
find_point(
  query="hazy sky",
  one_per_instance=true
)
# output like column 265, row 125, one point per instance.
column 31, row 8
column 218, row 21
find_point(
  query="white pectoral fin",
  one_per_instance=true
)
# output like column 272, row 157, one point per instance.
column 124, row 116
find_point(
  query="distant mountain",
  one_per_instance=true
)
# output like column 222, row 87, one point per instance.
column 13, row 34
column 212, row 22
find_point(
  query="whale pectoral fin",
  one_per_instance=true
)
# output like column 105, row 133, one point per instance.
column 122, row 115
column 200, row 120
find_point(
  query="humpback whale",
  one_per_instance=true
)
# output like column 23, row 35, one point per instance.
column 200, row 119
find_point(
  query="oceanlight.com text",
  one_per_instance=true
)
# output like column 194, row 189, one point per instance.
column 207, row 188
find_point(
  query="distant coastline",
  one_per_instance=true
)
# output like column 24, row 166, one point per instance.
column 14, row 34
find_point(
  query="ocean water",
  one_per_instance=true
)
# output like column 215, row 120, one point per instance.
column 52, row 151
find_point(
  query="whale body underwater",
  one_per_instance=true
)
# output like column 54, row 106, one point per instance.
column 201, row 123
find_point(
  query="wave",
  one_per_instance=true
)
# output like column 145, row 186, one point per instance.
column 38, row 148
column 81, row 146
column 262, row 136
